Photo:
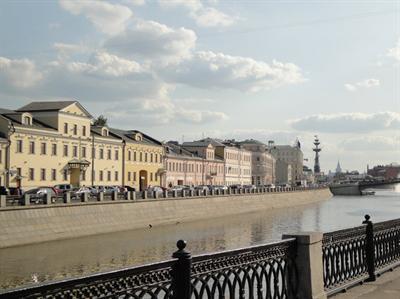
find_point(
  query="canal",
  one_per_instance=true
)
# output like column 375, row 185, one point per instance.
column 75, row 257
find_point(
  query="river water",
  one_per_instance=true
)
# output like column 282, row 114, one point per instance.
column 76, row 257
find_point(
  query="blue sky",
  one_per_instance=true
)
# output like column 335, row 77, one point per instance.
column 183, row 69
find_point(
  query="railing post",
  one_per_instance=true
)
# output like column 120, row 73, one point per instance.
column 3, row 201
column 175, row 193
column 155, row 194
column 133, row 195
column 128, row 195
column 165, row 193
column 26, row 200
column 183, row 193
column 144, row 194
column 67, row 197
column 309, row 265
column 47, row 198
column 114, row 195
column 181, row 270
column 85, row 197
column 100, row 196
column 369, row 248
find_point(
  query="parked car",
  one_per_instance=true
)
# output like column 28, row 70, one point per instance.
column 221, row 187
column 157, row 189
column 15, row 191
column 236, row 186
column 37, row 194
column 64, row 187
column 4, row 190
column 272, row 186
column 250, row 187
column 202, row 188
column 129, row 188
column 82, row 190
column 187, row 187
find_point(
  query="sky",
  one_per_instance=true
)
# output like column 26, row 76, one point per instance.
column 186, row 69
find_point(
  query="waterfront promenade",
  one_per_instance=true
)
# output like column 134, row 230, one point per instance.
column 387, row 286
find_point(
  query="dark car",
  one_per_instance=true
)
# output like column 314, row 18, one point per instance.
column 3, row 190
column 129, row 188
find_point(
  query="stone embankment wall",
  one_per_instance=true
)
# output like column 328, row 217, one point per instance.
column 33, row 224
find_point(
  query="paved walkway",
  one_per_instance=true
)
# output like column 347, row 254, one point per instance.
column 387, row 286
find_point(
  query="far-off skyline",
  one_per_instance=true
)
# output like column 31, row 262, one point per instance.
column 181, row 70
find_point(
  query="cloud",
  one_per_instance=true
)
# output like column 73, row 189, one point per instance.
column 348, row 122
column 105, row 64
column 204, row 16
column 135, row 2
column 162, row 111
column 371, row 143
column 209, row 69
column 20, row 73
column 154, row 42
column 106, row 17
column 395, row 52
column 367, row 83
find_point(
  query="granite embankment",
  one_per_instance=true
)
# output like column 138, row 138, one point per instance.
column 33, row 224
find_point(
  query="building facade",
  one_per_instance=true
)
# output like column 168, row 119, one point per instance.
column 292, row 155
column 3, row 157
column 55, row 143
column 263, row 163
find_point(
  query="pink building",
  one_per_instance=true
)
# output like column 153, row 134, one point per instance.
column 192, row 165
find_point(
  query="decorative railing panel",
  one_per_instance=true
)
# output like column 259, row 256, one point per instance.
column 266, row 271
column 350, row 256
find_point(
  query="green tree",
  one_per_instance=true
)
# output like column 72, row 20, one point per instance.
column 101, row 120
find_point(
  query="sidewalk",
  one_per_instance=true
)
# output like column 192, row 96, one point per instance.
column 387, row 286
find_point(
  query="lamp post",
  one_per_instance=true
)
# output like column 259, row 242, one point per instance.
column 10, row 132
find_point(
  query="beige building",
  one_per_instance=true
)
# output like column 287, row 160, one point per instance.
column 283, row 173
column 292, row 155
column 193, row 165
column 143, row 156
column 263, row 163
column 3, row 157
column 52, row 143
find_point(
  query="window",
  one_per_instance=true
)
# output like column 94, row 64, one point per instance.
column 116, row 155
column 84, row 152
column 129, row 155
column 27, row 120
column 104, row 132
column 134, row 156
column 19, row 146
column 109, row 154
column 31, row 147
column 54, row 149
column 19, row 171
column 140, row 157
column 65, row 128
column 151, row 158
column 42, row 174
column 101, row 175
column 145, row 157
column 65, row 150
column 43, row 148
column 31, row 174
column 129, row 176
column 93, row 153
column 156, row 177
column 53, row 175
column 116, row 176
column 65, row 175
column 101, row 153
column 108, row 175
column 84, row 175
column 134, row 176
column 151, row 176
column 75, row 129
column 75, row 151
column 83, row 130
column 155, row 157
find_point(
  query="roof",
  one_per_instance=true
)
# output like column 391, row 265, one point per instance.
column 251, row 141
column 46, row 106
column 127, row 136
column 204, row 142
column 14, row 116
column 177, row 150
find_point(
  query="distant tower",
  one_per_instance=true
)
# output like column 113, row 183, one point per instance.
column 338, row 168
column 316, row 149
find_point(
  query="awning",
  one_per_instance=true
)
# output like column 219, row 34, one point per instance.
column 78, row 164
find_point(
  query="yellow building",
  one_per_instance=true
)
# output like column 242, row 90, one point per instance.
column 3, row 156
column 143, row 158
column 52, row 143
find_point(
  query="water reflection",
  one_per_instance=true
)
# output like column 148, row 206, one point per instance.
column 68, row 258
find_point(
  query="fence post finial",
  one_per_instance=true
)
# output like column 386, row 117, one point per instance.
column 369, row 247
column 181, row 270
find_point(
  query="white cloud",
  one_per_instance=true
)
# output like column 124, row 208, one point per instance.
column 204, row 16
column 367, row 83
column 105, row 64
column 209, row 69
column 154, row 42
column 395, row 52
column 348, row 122
column 163, row 111
column 371, row 143
column 20, row 73
column 106, row 17
column 135, row 2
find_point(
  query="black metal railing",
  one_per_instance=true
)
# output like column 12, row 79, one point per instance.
column 355, row 255
column 265, row 271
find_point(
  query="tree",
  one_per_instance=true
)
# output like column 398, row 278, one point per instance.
column 101, row 120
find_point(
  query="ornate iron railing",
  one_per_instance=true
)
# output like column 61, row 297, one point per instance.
column 266, row 271
column 351, row 256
